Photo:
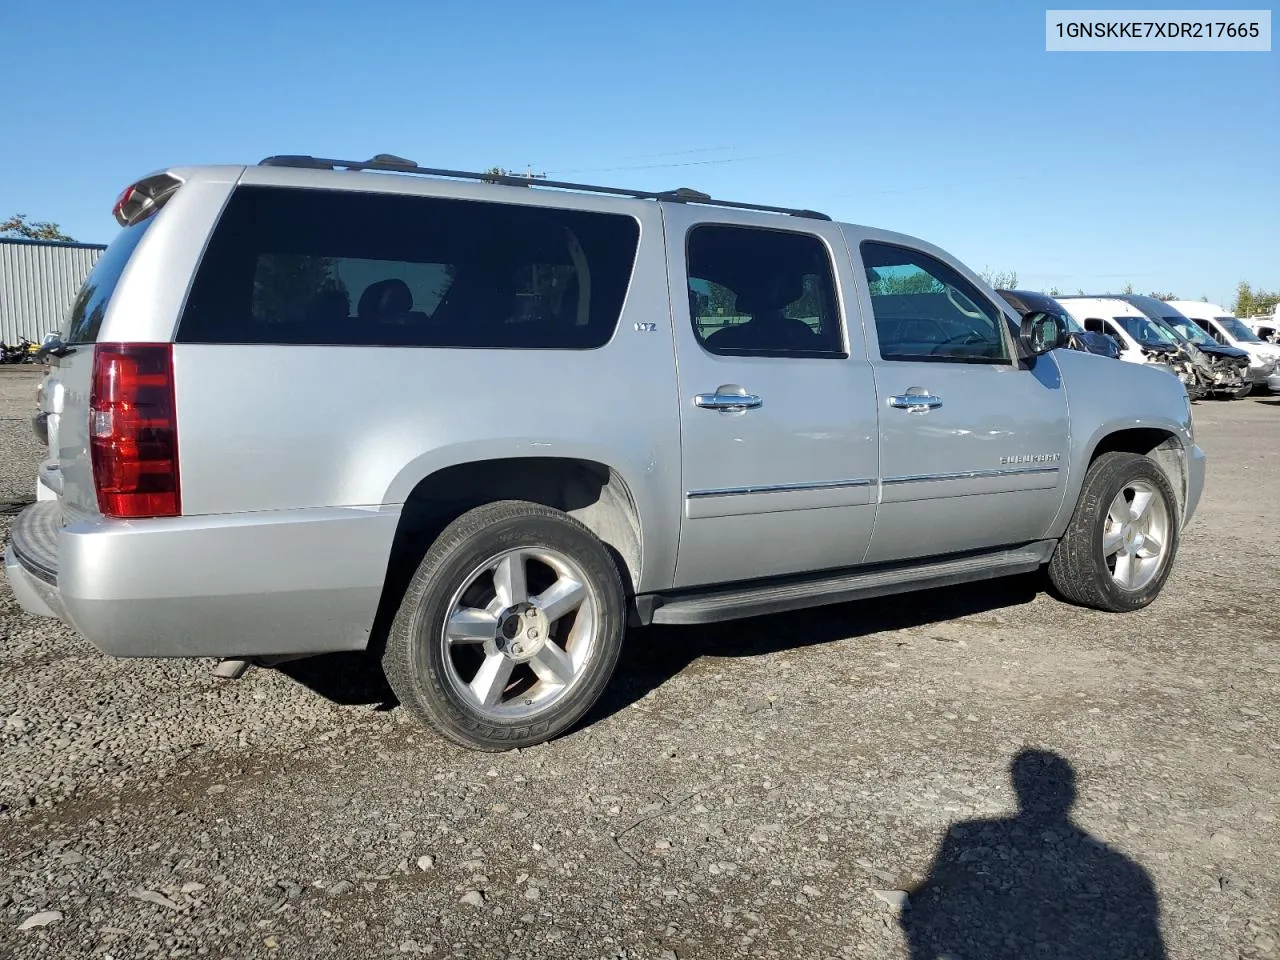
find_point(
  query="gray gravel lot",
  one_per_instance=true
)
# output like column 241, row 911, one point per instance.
column 770, row 788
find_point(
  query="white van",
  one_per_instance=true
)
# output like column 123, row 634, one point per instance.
column 1139, row 338
column 1219, row 323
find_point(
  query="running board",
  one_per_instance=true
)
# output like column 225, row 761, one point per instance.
column 776, row 596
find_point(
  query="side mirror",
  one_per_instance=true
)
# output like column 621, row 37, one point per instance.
column 52, row 345
column 1041, row 332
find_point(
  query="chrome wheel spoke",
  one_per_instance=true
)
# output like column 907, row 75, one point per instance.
column 1124, row 569
column 509, row 580
column 1151, row 547
column 471, row 625
column 552, row 665
column 491, row 679
column 562, row 597
column 1112, row 538
column 1118, row 512
column 1141, row 500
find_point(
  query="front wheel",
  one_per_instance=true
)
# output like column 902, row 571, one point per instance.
column 509, row 630
column 1119, row 547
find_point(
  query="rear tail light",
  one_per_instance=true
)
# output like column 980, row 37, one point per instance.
column 133, row 430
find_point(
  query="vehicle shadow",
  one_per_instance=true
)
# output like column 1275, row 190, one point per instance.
column 350, row 679
column 653, row 655
column 1032, row 885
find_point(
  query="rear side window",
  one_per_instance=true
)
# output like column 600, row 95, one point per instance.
column 764, row 293
column 91, row 302
column 300, row 266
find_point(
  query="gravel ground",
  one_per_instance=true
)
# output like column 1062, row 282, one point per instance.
column 771, row 788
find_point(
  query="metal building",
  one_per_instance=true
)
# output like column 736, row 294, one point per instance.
column 39, row 280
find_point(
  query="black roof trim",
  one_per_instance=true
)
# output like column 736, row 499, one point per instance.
column 393, row 164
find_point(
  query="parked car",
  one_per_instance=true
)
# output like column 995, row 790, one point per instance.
column 1137, row 338
column 1227, row 330
column 478, row 426
column 1227, row 373
column 1078, row 338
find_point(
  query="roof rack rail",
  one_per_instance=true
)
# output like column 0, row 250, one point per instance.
column 394, row 164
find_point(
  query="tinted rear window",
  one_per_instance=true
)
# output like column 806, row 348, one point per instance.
column 91, row 302
column 302, row 266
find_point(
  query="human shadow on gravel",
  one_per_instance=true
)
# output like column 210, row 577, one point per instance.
column 653, row 655
column 1034, row 885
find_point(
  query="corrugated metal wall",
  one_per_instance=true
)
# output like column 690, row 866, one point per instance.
column 38, row 283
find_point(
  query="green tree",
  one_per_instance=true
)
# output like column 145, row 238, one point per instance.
column 1252, row 303
column 1054, row 292
column 1163, row 296
column 998, row 280
column 1128, row 288
column 19, row 226
column 897, row 285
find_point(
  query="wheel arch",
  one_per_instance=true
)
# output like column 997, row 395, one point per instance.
column 594, row 493
column 1165, row 442
column 1164, row 445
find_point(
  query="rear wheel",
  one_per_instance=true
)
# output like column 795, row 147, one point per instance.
column 509, row 630
column 1119, row 547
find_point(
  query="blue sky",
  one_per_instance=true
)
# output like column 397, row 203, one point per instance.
column 945, row 120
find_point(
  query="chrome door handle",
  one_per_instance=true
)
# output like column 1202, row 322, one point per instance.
column 915, row 401
column 729, row 398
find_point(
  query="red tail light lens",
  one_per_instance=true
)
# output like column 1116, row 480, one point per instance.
column 133, row 430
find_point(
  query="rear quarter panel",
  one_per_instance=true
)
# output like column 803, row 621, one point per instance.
column 147, row 300
column 289, row 427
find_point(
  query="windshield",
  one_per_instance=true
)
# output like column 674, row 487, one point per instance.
column 1238, row 330
column 1144, row 330
column 1072, row 324
column 1189, row 330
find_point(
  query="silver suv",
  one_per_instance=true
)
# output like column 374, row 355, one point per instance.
column 478, row 426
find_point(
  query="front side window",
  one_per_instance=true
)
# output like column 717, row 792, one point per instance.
column 1238, row 330
column 755, row 292
column 924, row 310
column 302, row 266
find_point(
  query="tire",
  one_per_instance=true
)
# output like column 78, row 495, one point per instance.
column 521, row 663
column 1086, row 567
column 1242, row 392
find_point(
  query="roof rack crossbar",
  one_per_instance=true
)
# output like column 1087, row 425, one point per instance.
column 399, row 165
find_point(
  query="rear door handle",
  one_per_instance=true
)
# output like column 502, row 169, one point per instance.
column 916, row 400
column 728, row 398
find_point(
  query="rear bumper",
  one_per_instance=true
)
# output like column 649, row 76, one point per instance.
column 258, row 584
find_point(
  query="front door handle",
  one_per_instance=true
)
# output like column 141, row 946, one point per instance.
column 916, row 400
column 728, row 398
